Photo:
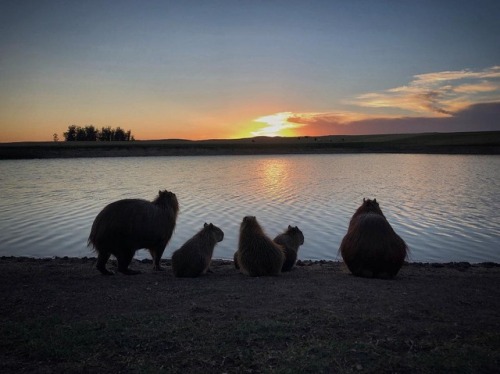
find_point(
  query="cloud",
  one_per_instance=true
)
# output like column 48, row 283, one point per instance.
column 337, row 117
column 431, row 78
column 478, row 117
column 447, row 101
column 483, row 86
column 438, row 94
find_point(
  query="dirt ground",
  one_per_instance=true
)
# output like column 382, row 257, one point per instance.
column 62, row 315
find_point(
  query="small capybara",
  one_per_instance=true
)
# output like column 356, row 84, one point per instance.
column 125, row 226
column 194, row 257
column 257, row 254
column 290, row 240
column 371, row 248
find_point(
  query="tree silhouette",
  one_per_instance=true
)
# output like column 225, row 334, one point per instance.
column 70, row 135
column 90, row 133
column 119, row 135
column 106, row 134
column 80, row 134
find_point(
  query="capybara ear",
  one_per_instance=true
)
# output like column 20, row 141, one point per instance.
column 205, row 225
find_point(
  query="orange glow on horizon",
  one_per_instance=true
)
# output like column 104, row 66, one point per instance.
column 275, row 125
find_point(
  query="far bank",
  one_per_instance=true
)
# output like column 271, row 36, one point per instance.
column 487, row 143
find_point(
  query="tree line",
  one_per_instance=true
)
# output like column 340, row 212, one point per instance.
column 91, row 133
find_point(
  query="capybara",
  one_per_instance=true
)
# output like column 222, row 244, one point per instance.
column 194, row 257
column 257, row 254
column 290, row 240
column 371, row 248
column 125, row 226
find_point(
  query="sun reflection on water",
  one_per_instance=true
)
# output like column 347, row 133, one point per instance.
column 275, row 178
column 445, row 207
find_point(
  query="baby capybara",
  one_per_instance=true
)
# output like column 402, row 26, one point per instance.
column 371, row 248
column 290, row 240
column 194, row 257
column 257, row 254
column 125, row 226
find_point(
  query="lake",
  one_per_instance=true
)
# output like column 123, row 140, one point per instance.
column 446, row 207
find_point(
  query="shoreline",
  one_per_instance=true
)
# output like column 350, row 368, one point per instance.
column 477, row 143
column 62, row 315
column 223, row 261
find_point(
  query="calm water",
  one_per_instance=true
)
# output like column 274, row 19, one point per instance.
column 445, row 207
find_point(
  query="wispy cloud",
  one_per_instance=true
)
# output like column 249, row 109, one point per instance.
column 289, row 123
column 438, row 94
column 462, row 100
column 483, row 86
column 477, row 117
column 431, row 78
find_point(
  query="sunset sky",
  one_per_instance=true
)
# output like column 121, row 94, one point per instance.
column 242, row 68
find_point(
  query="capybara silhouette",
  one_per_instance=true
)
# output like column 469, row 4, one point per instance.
column 194, row 257
column 125, row 226
column 257, row 254
column 371, row 248
column 290, row 240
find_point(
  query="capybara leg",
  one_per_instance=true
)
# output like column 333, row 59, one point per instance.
column 123, row 263
column 156, row 253
column 102, row 259
column 235, row 258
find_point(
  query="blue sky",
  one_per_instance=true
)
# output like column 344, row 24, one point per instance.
column 222, row 69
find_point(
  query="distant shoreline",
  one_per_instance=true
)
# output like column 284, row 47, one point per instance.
column 479, row 143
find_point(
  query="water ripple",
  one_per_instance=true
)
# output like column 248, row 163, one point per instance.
column 444, row 207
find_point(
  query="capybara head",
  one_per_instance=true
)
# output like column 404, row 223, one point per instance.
column 368, row 206
column 218, row 233
column 295, row 232
column 248, row 221
column 167, row 197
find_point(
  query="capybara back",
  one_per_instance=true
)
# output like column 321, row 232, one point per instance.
column 194, row 257
column 125, row 226
column 371, row 248
column 257, row 254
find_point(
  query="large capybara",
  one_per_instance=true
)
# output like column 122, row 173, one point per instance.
column 257, row 254
column 290, row 240
column 194, row 257
column 125, row 226
column 371, row 248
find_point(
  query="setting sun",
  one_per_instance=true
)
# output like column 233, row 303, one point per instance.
column 276, row 125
